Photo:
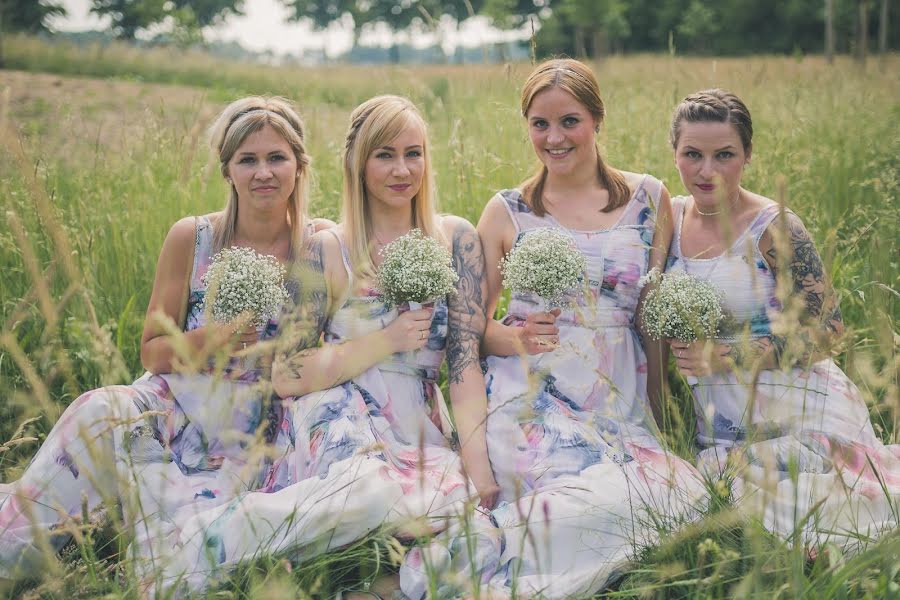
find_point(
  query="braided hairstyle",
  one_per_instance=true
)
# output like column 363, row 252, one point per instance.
column 713, row 106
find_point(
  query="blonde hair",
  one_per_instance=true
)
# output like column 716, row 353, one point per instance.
column 373, row 124
column 575, row 78
column 236, row 123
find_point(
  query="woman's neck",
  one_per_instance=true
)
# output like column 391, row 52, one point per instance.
column 574, row 184
column 266, row 233
column 387, row 225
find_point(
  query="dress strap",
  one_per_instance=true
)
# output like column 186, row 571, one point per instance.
column 515, row 205
column 345, row 256
column 678, row 205
column 203, row 242
column 762, row 221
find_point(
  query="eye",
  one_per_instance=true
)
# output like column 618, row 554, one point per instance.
column 570, row 121
column 539, row 124
column 277, row 157
column 725, row 155
column 414, row 154
column 692, row 154
column 383, row 155
column 246, row 160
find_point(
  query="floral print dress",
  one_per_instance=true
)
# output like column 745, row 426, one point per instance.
column 570, row 436
column 366, row 454
column 813, row 460
column 157, row 445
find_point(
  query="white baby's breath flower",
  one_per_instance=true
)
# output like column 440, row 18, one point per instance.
column 545, row 261
column 683, row 307
column 239, row 280
column 415, row 268
column 652, row 276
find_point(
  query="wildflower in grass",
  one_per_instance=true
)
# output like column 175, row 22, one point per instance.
column 544, row 261
column 681, row 307
column 239, row 280
column 415, row 268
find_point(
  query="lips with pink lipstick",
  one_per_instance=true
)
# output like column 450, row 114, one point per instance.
column 706, row 187
column 400, row 187
column 265, row 189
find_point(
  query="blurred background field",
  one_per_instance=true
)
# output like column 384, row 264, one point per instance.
column 103, row 149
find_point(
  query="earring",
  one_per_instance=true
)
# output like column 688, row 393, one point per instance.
column 230, row 182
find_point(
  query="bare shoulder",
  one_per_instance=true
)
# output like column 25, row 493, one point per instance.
column 453, row 226
column 181, row 235
column 632, row 179
column 320, row 224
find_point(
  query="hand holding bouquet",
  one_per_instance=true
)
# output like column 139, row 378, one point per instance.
column 545, row 261
column 240, row 281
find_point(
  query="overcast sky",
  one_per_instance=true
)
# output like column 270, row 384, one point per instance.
column 264, row 26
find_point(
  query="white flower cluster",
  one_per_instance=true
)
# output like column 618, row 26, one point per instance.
column 416, row 268
column 545, row 261
column 682, row 307
column 239, row 280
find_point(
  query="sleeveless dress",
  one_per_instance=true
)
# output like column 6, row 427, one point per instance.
column 811, row 421
column 161, row 443
column 366, row 454
column 570, row 435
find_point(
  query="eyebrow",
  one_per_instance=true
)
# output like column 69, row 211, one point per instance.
column 728, row 147
column 392, row 149
column 572, row 114
column 247, row 153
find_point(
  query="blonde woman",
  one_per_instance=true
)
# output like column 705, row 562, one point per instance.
column 190, row 447
column 368, row 449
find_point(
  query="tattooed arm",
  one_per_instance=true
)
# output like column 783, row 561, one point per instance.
column 810, row 322
column 303, row 366
column 466, row 326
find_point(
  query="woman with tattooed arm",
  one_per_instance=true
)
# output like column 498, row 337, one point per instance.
column 808, row 457
column 362, row 432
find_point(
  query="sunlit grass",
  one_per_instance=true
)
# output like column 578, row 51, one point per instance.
column 85, row 215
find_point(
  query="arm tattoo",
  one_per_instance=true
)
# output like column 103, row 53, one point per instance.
column 807, row 274
column 467, row 318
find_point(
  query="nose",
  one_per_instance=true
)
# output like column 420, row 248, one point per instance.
column 554, row 136
column 264, row 171
column 706, row 169
column 400, row 168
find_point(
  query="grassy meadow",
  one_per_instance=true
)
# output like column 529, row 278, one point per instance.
column 103, row 149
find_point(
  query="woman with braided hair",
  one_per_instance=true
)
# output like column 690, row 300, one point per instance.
column 173, row 439
column 366, row 448
column 772, row 406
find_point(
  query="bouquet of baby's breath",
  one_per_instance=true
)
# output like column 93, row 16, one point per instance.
column 239, row 280
column 544, row 261
column 682, row 307
column 416, row 268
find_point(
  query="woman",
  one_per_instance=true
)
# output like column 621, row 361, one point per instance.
column 768, row 385
column 368, row 449
column 571, row 438
column 172, row 439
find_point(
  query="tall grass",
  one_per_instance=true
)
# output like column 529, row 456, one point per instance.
column 84, row 221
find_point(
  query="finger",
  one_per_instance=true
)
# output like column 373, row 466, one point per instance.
column 556, row 312
column 543, row 330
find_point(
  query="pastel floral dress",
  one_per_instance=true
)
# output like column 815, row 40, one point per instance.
column 570, row 436
column 813, row 459
column 159, row 444
column 366, row 454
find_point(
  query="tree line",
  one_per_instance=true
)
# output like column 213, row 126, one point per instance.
column 583, row 28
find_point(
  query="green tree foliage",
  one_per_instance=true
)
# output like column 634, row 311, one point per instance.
column 28, row 15
column 187, row 17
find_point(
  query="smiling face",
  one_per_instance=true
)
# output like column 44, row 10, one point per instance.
column 710, row 158
column 394, row 172
column 264, row 169
column 562, row 132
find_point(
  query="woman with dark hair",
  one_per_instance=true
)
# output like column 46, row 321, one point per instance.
column 769, row 399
